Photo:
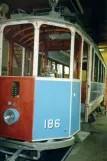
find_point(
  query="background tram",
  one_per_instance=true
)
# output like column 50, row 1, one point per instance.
column 51, row 74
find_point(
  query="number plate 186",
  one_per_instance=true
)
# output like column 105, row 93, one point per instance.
column 51, row 123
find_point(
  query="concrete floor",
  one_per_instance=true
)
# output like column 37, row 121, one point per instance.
column 94, row 147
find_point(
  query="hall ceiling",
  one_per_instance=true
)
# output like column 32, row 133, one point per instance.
column 92, row 13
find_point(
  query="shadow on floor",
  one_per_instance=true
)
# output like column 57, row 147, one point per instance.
column 94, row 147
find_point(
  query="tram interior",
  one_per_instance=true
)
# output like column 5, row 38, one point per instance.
column 54, row 53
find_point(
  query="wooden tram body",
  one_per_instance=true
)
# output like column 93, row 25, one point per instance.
column 54, row 74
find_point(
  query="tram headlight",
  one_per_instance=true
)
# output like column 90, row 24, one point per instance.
column 11, row 116
column 53, row 2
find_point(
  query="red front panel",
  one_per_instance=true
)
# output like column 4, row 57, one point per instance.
column 22, row 129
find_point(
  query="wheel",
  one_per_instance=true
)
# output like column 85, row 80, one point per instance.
column 91, row 118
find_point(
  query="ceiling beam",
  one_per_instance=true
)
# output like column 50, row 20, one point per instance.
column 31, row 38
column 25, row 36
column 21, row 31
column 80, row 6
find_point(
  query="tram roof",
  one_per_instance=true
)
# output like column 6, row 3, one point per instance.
column 45, row 18
column 59, row 20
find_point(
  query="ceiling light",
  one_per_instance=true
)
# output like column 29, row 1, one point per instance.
column 102, row 49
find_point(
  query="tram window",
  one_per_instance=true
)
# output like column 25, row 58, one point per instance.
column 17, row 64
column 96, row 68
column 53, row 64
column 100, row 68
column 59, row 71
column 86, row 50
column 101, row 72
column 54, row 46
column 103, row 75
column 92, row 67
column 77, row 56
column 28, row 64
column 66, row 71
column 84, row 62
column 18, row 40
column 5, row 57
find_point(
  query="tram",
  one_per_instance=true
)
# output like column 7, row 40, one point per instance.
column 51, row 75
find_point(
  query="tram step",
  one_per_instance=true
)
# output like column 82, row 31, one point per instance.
column 81, row 136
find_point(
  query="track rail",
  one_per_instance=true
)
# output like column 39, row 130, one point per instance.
column 49, row 155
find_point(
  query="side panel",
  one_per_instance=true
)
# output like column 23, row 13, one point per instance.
column 22, row 129
column 97, row 90
column 52, row 109
column 75, row 112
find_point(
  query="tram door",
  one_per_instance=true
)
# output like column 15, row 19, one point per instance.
column 85, row 69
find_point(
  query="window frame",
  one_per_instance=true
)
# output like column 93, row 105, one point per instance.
column 79, row 67
column 69, row 27
column 2, row 27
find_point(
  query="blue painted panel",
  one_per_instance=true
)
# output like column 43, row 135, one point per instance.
column 97, row 90
column 75, row 112
column 52, row 101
